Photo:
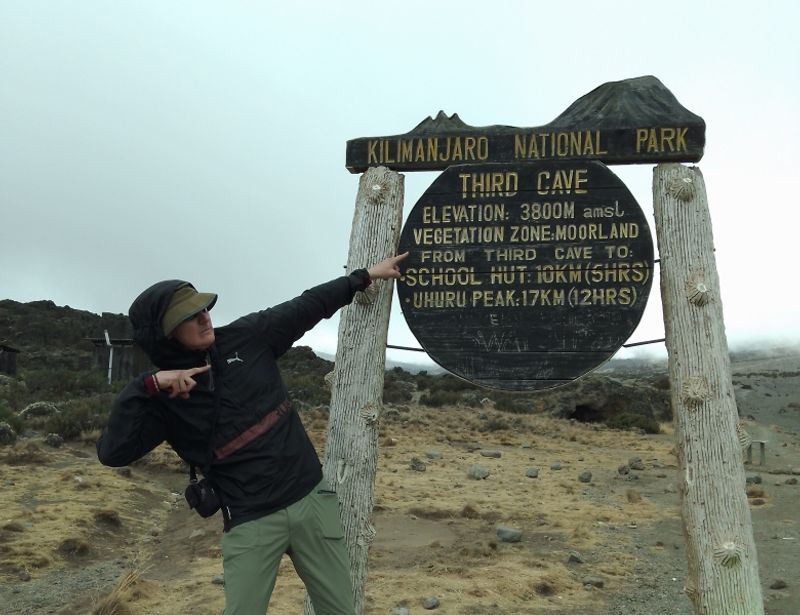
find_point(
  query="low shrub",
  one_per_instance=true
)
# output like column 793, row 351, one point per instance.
column 513, row 403
column 397, row 391
column 80, row 415
column 629, row 421
column 14, row 393
column 308, row 388
column 495, row 424
column 437, row 398
column 8, row 415
column 60, row 384
column 446, row 382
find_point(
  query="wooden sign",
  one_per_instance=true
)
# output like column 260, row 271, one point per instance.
column 525, row 276
column 623, row 122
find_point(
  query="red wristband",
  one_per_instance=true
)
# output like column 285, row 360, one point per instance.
column 151, row 384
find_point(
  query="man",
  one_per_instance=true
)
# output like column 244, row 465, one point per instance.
column 218, row 399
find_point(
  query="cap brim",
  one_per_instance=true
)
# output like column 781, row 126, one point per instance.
column 189, row 308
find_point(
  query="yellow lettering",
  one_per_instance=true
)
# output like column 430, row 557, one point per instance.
column 469, row 148
column 681, row 142
column 641, row 137
column 433, row 148
column 419, row 152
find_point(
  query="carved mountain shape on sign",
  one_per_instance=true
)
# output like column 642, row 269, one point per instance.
column 631, row 103
column 622, row 122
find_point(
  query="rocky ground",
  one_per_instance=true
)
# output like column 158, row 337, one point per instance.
column 79, row 538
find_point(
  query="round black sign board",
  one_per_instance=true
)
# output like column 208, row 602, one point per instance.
column 525, row 276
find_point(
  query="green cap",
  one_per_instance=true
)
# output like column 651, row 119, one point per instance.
column 186, row 302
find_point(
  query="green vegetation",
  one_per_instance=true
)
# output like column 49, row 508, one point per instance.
column 9, row 415
column 55, row 366
column 515, row 403
column 629, row 421
column 79, row 416
column 438, row 398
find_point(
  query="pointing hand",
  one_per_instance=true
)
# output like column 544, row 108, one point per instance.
column 388, row 268
column 179, row 382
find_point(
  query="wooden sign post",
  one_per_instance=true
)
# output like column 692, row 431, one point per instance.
column 723, row 566
column 530, row 266
column 351, row 446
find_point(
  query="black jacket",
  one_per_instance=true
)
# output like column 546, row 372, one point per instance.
column 260, row 458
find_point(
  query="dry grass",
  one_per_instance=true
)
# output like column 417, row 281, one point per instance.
column 24, row 453
column 116, row 602
column 48, row 506
column 436, row 529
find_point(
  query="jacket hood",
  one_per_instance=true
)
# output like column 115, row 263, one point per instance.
column 146, row 313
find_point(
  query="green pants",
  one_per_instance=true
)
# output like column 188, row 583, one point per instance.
column 310, row 532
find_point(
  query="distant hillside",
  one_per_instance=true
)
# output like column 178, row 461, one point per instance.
column 51, row 336
column 54, row 337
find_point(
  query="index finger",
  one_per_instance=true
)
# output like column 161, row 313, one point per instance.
column 400, row 257
column 198, row 370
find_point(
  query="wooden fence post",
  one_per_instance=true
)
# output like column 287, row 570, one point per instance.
column 723, row 566
column 351, row 449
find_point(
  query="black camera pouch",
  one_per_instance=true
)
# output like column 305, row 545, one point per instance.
column 202, row 497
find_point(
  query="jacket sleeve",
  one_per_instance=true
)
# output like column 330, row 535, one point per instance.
column 285, row 323
column 135, row 426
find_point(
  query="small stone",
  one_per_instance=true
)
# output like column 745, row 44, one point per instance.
column 532, row 473
column 429, row 603
column 526, row 445
column 757, row 501
column 778, row 584
column 597, row 582
column 124, row 472
column 585, row 477
column 492, row 454
column 477, row 472
column 509, row 534
column 198, row 533
column 575, row 558
column 790, row 481
column 555, row 466
column 624, row 469
column 24, row 575
column 401, row 610
column 753, row 479
column 390, row 442
column 636, row 463
column 417, row 464
column 433, row 455
column 218, row 579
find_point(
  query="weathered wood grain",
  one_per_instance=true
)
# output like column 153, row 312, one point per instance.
column 723, row 566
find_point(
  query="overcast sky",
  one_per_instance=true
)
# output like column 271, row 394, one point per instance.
column 206, row 140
